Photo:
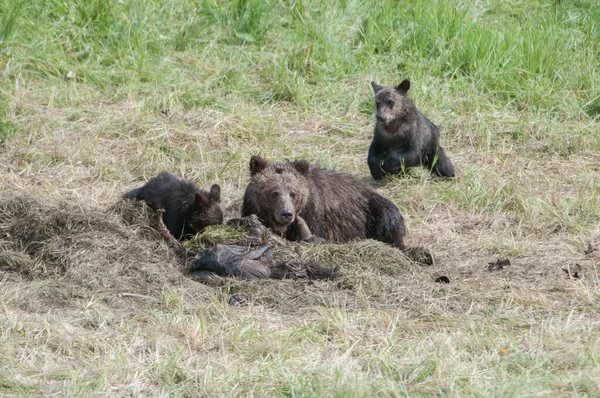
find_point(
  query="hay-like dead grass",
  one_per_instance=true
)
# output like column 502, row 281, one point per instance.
column 109, row 252
column 94, row 302
column 85, row 250
column 95, row 295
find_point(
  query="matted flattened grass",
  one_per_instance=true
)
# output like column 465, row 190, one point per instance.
column 98, row 96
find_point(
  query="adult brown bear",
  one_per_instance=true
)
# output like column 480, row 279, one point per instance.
column 293, row 197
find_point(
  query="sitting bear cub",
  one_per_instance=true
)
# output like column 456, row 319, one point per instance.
column 404, row 137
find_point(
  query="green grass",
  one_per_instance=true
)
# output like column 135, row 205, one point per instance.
column 97, row 96
column 542, row 61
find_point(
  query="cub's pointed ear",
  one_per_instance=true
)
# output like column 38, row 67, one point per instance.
column 376, row 86
column 302, row 166
column 404, row 86
column 257, row 164
column 215, row 193
column 202, row 198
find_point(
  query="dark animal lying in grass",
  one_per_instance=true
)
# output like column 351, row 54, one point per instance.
column 310, row 203
column 404, row 137
column 187, row 209
column 253, row 263
column 249, row 257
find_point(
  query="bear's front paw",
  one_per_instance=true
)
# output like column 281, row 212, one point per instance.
column 377, row 176
column 391, row 165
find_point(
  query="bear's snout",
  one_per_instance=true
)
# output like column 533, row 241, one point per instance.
column 286, row 216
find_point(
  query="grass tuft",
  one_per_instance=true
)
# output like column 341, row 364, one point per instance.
column 12, row 10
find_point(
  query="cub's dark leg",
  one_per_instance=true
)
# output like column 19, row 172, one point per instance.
column 442, row 166
column 373, row 160
column 401, row 160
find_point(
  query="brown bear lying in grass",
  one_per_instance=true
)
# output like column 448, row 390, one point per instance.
column 311, row 203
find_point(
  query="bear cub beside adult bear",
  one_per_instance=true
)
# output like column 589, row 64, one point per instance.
column 404, row 137
column 187, row 209
column 291, row 196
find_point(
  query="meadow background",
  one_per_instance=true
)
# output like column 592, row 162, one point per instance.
column 97, row 96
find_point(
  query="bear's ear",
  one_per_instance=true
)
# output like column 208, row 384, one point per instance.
column 257, row 164
column 376, row 86
column 215, row 193
column 302, row 166
column 404, row 86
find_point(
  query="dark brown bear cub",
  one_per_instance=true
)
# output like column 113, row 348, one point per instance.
column 404, row 137
column 293, row 196
column 187, row 210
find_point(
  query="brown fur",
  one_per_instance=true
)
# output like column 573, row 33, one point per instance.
column 334, row 205
column 404, row 137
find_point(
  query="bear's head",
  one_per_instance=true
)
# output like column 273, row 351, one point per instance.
column 392, row 103
column 278, row 191
column 205, row 210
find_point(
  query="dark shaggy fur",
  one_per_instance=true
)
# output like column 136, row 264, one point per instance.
column 404, row 137
column 334, row 205
column 187, row 210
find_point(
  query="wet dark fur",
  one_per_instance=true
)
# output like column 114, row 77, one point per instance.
column 335, row 205
column 188, row 210
column 404, row 137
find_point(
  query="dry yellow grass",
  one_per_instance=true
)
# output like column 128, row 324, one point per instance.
column 71, row 249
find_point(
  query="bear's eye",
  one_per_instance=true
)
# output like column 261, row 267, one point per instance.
column 377, row 103
column 293, row 195
column 274, row 194
column 390, row 103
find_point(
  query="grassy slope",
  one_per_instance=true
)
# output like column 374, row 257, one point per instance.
column 97, row 96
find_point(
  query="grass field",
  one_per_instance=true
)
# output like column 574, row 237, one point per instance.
column 98, row 96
